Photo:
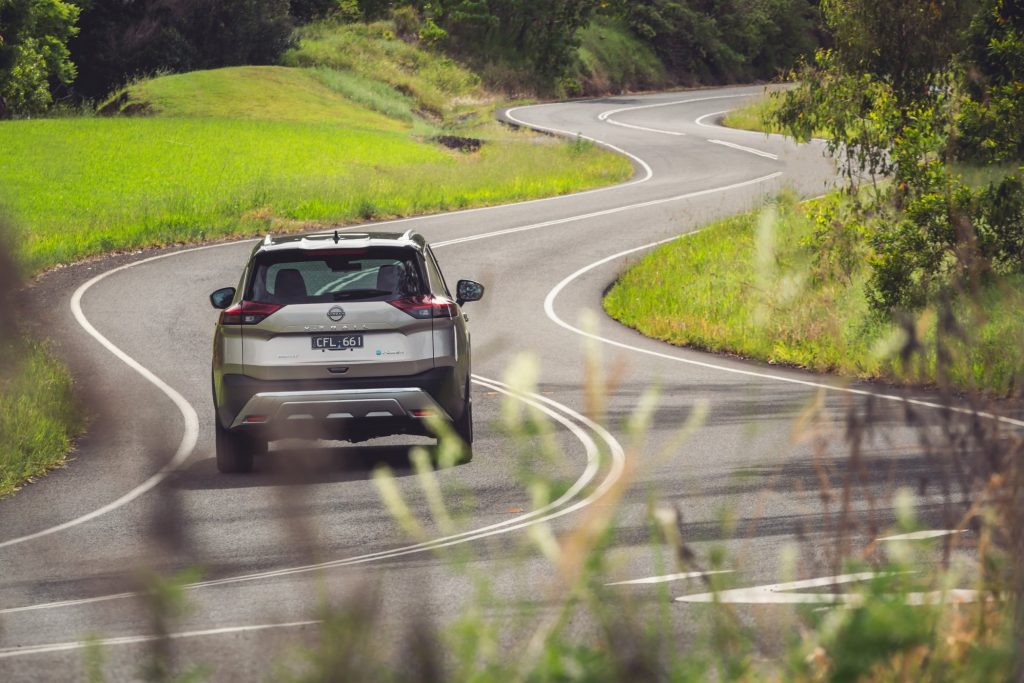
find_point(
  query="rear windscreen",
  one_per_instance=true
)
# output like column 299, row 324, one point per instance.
column 322, row 276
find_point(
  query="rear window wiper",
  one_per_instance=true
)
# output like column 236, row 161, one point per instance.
column 352, row 293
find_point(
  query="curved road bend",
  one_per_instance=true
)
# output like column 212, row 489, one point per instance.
column 309, row 522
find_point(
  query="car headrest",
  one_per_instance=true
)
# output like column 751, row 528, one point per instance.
column 387, row 278
column 290, row 285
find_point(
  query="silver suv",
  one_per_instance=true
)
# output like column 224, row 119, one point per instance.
column 345, row 336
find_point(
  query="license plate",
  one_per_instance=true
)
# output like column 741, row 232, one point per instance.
column 336, row 342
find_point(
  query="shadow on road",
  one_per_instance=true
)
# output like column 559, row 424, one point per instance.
column 299, row 464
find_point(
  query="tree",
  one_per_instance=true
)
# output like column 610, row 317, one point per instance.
column 991, row 120
column 33, row 52
column 905, row 43
column 121, row 39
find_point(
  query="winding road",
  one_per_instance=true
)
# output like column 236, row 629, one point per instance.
column 142, row 493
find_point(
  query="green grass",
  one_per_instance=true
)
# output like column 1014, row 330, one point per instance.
column 754, row 115
column 438, row 85
column 77, row 188
column 751, row 285
column 256, row 92
column 611, row 59
column 38, row 416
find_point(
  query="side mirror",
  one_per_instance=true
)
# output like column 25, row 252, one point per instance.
column 222, row 297
column 467, row 290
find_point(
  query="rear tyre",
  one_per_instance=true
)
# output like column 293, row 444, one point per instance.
column 464, row 425
column 235, row 451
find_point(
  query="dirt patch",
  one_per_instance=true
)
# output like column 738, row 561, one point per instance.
column 459, row 143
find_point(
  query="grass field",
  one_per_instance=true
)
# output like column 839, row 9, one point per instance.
column 295, row 153
column 749, row 285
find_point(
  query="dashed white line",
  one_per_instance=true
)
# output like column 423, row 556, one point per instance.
column 749, row 150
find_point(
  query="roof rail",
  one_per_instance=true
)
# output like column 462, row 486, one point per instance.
column 407, row 235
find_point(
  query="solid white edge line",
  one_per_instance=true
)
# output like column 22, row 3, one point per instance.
column 132, row 640
column 549, row 310
column 749, row 150
column 667, row 578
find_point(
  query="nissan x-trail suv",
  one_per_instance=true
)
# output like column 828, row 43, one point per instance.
column 341, row 336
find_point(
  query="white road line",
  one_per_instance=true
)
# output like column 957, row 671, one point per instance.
column 922, row 535
column 608, row 212
column 607, row 116
column 700, row 119
column 750, row 150
column 604, row 116
column 549, row 310
column 780, row 593
column 666, row 578
column 562, row 414
column 8, row 652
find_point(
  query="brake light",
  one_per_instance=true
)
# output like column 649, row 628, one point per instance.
column 247, row 313
column 426, row 306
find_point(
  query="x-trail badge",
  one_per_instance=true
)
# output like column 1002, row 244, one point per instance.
column 336, row 313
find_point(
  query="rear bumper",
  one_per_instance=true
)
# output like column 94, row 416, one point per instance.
column 278, row 407
column 339, row 406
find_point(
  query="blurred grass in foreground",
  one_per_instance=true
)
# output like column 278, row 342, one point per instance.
column 38, row 414
column 903, row 622
column 759, row 286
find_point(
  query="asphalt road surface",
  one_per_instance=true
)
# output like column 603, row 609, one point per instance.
column 142, row 494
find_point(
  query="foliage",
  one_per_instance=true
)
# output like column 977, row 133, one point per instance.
column 991, row 119
column 33, row 51
column 900, row 99
column 725, row 41
column 611, row 58
column 903, row 43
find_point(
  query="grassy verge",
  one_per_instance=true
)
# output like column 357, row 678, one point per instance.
column 752, row 285
column 38, row 415
column 754, row 117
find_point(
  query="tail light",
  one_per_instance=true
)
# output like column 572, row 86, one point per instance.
column 426, row 306
column 247, row 313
